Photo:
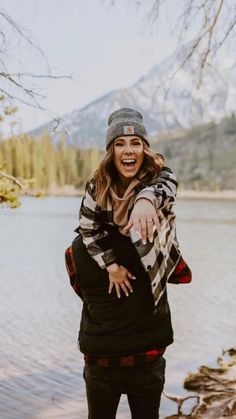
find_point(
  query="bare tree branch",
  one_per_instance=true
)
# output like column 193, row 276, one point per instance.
column 29, row 92
column 22, row 34
column 213, row 22
column 16, row 86
column 210, row 33
column 226, row 35
column 39, row 76
column 12, row 178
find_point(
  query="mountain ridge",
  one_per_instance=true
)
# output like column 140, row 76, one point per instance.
column 166, row 103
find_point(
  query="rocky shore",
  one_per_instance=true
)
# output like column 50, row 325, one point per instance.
column 214, row 391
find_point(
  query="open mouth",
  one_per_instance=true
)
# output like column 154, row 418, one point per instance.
column 128, row 163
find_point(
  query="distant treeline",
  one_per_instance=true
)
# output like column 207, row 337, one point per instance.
column 203, row 158
column 46, row 164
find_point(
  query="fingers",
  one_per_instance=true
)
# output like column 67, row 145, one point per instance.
column 129, row 225
column 144, row 218
column 150, row 229
column 136, row 224
column 126, row 287
column 123, row 284
column 129, row 286
column 151, row 223
column 157, row 222
column 143, row 230
column 130, row 275
column 141, row 227
column 144, row 226
column 111, row 284
column 117, row 287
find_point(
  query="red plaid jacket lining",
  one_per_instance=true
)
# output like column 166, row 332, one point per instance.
column 126, row 361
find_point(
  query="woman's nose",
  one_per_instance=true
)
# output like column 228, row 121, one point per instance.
column 128, row 148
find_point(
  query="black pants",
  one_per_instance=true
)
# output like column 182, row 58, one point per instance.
column 143, row 385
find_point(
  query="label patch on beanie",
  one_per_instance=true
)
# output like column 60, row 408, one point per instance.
column 128, row 129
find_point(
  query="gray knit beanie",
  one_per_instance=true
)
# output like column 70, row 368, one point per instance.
column 125, row 121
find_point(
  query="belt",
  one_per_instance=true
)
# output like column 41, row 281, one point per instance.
column 125, row 361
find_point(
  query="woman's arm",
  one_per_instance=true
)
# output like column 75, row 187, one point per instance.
column 97, row 242
column 95, row 237
column 162, row 191
column 156, row 196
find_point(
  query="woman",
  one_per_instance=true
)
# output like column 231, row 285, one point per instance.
column 127, row 248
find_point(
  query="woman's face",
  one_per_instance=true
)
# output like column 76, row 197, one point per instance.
column 128, row 156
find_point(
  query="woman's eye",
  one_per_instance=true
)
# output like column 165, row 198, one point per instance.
column 119, row 144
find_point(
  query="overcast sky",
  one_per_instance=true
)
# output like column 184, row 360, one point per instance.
column 103, row 47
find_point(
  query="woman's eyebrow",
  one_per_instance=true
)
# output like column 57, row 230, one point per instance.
column 123, row 141
column 135, row 139
column 119, row 139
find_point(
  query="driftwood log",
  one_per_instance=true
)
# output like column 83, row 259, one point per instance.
column 214, row 388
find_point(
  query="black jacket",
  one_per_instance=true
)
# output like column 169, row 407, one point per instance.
column 116, row 327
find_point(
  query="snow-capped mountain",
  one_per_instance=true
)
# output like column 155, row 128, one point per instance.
column 168, row 97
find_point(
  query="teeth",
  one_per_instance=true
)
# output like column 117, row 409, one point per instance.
column 128, row 161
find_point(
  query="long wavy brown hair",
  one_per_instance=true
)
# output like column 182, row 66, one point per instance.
column 107, row 175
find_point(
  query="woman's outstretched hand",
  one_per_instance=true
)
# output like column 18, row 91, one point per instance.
column 143, row 218
column 118, row 277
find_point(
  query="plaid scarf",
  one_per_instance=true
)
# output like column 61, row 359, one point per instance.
column 122, row 205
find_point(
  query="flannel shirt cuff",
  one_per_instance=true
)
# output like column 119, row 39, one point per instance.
column 107, row 259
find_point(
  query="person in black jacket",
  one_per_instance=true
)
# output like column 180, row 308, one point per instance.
column 120, row 263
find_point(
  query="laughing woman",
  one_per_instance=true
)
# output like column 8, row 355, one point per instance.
column 127, row 253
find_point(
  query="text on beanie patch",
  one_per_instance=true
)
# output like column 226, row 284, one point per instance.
column 128, row 129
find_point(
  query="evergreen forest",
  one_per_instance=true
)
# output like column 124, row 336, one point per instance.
column 45, row 167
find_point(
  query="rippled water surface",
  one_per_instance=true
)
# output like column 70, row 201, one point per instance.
column 41, row 368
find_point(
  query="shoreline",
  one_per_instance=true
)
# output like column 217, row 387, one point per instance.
column 217, row 195
column 70, row 191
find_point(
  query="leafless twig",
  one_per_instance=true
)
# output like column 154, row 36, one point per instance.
column 15, row 86
column 211, row 22
column 12, row 178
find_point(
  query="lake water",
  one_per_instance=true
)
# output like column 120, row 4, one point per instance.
column 41, row 368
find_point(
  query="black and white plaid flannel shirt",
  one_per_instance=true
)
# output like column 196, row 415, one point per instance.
column 160, row 257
